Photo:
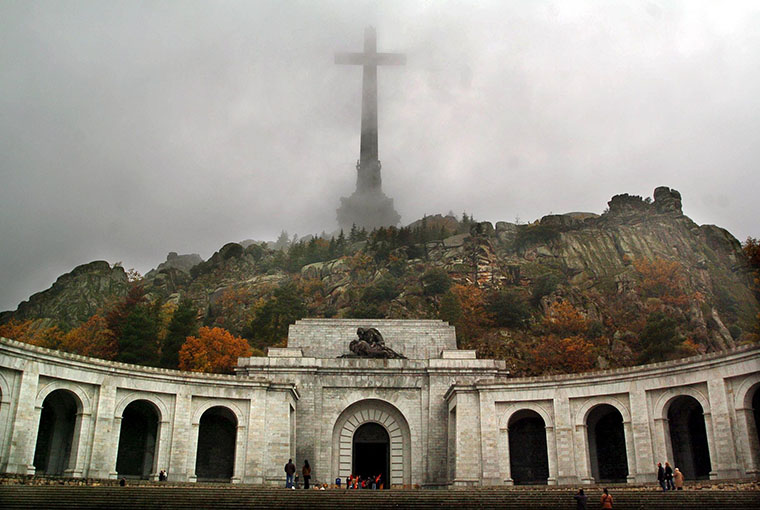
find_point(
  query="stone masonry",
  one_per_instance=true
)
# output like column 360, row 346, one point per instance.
column 448, row 416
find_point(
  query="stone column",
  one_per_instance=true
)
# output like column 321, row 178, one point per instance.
column 113, row 452
column 566, row 468
column 238, row 471
column 489, row 434
column 642, row 436
column 256, row 452
column 105, row 441
column 26, row 424
column 505, row 461
column 551, row 453
column 630, row 451
column 163, row 448
column 5, row 430
column 468, row 459
column 582, row 454
column 182, row 463
column 722, row 452
column 747, row 442
column 77, row 459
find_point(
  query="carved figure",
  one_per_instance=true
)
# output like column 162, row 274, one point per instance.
column 370, row 344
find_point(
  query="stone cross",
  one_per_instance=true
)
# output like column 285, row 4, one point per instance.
column 368, row 168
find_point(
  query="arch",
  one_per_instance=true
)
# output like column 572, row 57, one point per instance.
column 217, row 444
column 55, row 448
column 395, row 424
column 528, row 452
column 83, row 400
column 158, row 404
column 663, row 403
column 688, row 437
column 229, row 405
column 581, row 417
column 138, row 439
column 748, row 421
column 606, row 442
column 506, row 415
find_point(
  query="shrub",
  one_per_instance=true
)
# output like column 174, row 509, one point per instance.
column 435, row 281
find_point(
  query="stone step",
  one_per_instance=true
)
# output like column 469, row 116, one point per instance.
column 228, row 497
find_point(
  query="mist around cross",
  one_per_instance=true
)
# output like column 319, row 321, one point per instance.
column 128, row 131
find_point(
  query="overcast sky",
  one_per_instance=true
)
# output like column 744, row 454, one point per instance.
column 130, row 129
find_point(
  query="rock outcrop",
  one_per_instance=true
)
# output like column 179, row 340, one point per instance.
column 74, row 296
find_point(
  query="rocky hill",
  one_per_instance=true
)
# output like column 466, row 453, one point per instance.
column 618, row 270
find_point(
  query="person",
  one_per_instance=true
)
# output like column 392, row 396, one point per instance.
column 162, row 476
column 290, row 469
column 337, row 482
column 606, row 500
column 678, row 479
column 376, row 484
column 122, row 482
column 306, row 474
column 580, row 500
column 669, row 477
column 661, row 476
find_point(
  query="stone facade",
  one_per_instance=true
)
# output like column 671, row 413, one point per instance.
column 445, row 418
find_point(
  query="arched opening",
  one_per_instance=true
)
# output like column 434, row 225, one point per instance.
column 217, row 436
column 386, row 415
column 137, row 440
column 606, row 444
column 688, row 437
column 56, row 433
column 528, row 457
column 371, row 452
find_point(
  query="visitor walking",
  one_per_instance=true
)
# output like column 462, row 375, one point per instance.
column 306, row 471
column 290, row 469
column 580, row 500
column 661, row 476
column 669, row 477
column 678, row 479
column 606, row 500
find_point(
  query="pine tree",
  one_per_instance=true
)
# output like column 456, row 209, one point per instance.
column 138, row 343
column 183, row 324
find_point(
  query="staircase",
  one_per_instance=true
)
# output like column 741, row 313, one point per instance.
column 218, row 497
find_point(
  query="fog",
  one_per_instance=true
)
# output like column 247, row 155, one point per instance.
column 131, row 129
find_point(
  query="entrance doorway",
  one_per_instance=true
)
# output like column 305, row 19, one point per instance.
column 606, row 440
column 56, row 433
column 217, row 436
column 137, row 440
column 528, row 458
column 371, row 452
column 688, row 437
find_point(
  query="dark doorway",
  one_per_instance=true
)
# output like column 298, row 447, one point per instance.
column 217, row 435
column 137, row 440
column 688, row 438
column 527, row 448
column 371, row 452
column 606, row 444
column 56, row 433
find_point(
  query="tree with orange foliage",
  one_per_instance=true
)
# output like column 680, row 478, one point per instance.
column 555, row 354
column 34, row 332
column 472, row 318
column 662, row 279
column 92, row 338
column 564, row 319
column 565, row 349
column 213, row 350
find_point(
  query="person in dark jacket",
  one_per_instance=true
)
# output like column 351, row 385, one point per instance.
column 580, row 500
column 306, row 471
column 661, row 476
column 669, row 477
column 290, row 469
